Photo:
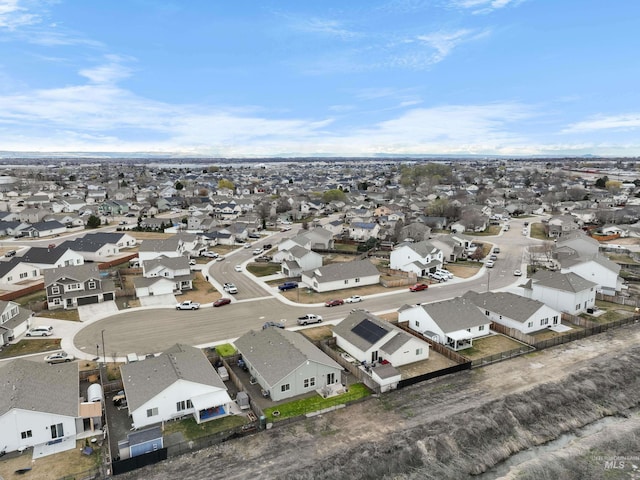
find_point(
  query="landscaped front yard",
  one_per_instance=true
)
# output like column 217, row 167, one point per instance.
column 29, row 346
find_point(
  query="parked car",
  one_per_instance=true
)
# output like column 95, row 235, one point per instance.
column 353, row 299
column 238, row 268
column 517, row 273
column 209, row 254
column 418, row 287
column 258, row 251
column 285, row 229
column 287, row 286
column 334, row 303
column 222, row 301
column 309, row 318
column 188, row 305
column 444, row 272
column 272, row 324
column 247, row 245
column 42, row 331
column 254, row 235
column 438, row 277
column 489, row 264
column 60, row 357
column 493, row 256
column 496, row 250
column 267, row 246
column 10, row 253
column 264, row 258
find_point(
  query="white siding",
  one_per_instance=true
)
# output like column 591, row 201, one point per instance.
column 16, row 421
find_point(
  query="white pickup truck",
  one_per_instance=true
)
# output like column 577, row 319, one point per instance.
column 188, row 305
column 309, row 318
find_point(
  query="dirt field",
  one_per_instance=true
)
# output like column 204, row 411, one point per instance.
column 445, row 428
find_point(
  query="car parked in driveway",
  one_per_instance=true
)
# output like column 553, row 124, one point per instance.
column 222, row 301
column 287, row 286
column 60, row 357
column 40, row 331
column 418, row 287
column 209, row 254
column 334, row 303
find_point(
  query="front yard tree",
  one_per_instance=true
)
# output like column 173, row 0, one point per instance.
column 225, row 183
column 179, row 186
column 333, row 195
column 93, row 221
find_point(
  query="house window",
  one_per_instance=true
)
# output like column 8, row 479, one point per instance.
column 544, row 321
column 183, row 405
column 486, row 312
column 418, row 351
column 151, row 412
column 417, row 323
column 469, row 330
column 480, row 328
column 91, row 285
column 73, row 286
column 26, row 434
column 285, row 388
column 578, row 307
column 9, row 279
column 57, row 431
column 555, row 319
column 309, row 382
column 55, row 290
column 24, row 275
column 346, row 282
column 357, row 280
column 530, row 324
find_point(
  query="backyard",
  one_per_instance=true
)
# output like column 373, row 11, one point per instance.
column 491, row 345
column 29, row 346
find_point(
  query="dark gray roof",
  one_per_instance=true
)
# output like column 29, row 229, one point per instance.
column 343, row 271
column 48, row 225
column 6, row 267
column 163, row 245
column 506, row 304
column 275, row 352
column 455, row 314
column 568, row 282
column 34, row 386
column 145, row 379
column 80, row 273
column 44, row 255
column 385, row 370
column 92, row 242
column 354, row 326
column 142, row 436
column 173, row 263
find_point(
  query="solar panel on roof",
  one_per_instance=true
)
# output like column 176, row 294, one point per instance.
column 369, row 331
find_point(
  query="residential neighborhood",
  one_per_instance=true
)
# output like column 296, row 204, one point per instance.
column 117, row 270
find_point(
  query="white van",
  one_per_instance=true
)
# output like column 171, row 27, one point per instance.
column 444, row 273
column 42, row 331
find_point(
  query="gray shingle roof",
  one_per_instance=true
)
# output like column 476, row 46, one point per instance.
column 145, row 379
column 455, row 314
column 43, row 255
column 345, row 328
column 37, row 387
column 275, row 352
column 506, row 304
column 343, row 271
column 80, row 273
column 568, row 282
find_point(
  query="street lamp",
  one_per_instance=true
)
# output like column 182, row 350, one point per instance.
column 104, row 352
column 97, row 352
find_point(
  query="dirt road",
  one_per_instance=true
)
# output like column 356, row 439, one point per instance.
column 441, row 421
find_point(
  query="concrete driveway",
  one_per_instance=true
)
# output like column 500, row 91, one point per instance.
column 168, row 300
column 97, row 310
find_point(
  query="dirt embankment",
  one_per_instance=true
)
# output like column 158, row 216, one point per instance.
column 451, row 428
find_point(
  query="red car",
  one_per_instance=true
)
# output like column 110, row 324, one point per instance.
column 221, row 301
column 334, row 303
column 418, row 287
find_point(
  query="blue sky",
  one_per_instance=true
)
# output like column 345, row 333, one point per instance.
column 331, row 77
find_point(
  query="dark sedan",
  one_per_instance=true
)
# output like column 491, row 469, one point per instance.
column 334, row 303
column 222, row 301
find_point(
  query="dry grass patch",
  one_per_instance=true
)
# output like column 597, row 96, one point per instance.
column 69, row 464
column 317, row 334
column 464, row 271
column 30, row 346
column 491, row 345
column 149, row 235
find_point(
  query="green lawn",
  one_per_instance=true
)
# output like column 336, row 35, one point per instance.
column 191, row 430
column 344, row 247
column 538, row 231
column 315, row 403
column 225, row 350
column 29, row 346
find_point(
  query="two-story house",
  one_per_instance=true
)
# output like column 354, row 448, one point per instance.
column 74, row 286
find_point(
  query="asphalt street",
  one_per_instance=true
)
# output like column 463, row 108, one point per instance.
column 152, row 330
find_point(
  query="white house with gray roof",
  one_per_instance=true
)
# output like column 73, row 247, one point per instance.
column 39, row 405
column 164, row 275
column 454, row 323
column 420, row 258
column 14, row 321
column 371, row 340
column 338, row 276
column 285, row 363
column 180, row 382
column 596, row 268
column 299, row 259
column 565, row 292
column 154, row 248
column 514, row 311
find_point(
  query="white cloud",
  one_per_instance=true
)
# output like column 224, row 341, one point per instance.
column 443, row 43
column 630, row 121
column 13, row 15
column 107, row 73
column 484, row 6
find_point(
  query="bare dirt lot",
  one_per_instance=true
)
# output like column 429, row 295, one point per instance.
column 443, row 429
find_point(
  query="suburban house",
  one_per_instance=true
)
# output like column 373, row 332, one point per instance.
column 420, row 258
column 337, row 276
column 369, row 339
column 16, row 272
column 14, row 321
column 44, row 258
column 595, row 268
column 319, row 238
column 514, row 311
column 45, row 229
column 164, row 275
column 74, row 286
column 565, row 292
column 32, row 415
column 92, row 249
column 299, row 259
column 180, row 382
column 454, row 323
column 285, row 363
column 560, row 225
column 363, row 231
column 168, row 247
column 452, row 248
